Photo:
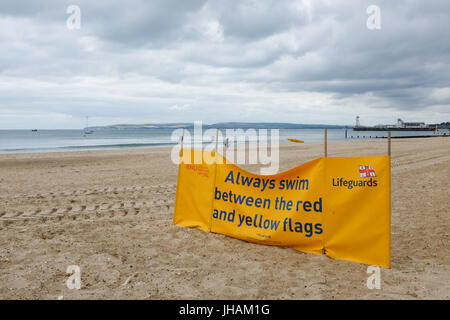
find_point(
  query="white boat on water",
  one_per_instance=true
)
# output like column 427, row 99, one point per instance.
column 86, row 130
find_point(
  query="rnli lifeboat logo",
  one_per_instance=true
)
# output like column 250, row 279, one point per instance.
column 366, row 171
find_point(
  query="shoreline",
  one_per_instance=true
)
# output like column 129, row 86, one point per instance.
column 170, row 146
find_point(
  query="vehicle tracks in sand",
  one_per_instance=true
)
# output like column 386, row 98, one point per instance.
column 89, row 204
column 161, row 188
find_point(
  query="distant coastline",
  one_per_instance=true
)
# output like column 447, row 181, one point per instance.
column 221, row 125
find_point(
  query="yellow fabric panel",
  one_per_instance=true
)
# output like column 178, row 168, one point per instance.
column 358, row 219
column 194, row 192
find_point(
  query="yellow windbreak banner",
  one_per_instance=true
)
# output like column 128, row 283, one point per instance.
column 336, row 206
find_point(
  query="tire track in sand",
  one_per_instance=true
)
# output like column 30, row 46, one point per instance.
column 90, row 204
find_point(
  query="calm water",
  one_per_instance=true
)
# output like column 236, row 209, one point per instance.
column 25, row 141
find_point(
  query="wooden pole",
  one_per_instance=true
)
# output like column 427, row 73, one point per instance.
column 325, row 143
column 389, row 143
column 390, row 188
column 215, row 176
column 181, row 146
column 217, row 139
column 182, row 139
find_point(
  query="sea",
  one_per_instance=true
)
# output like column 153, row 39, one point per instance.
column 27, row 141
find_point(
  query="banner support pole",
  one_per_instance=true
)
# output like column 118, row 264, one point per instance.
column 389, row 143
column 217, row 139
column 182, row 139
column 181, row 146
column 325, row 147
column 215, row 175
column 390, row 189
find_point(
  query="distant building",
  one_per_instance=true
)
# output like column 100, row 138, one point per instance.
column 410, row 125
column 399, row 126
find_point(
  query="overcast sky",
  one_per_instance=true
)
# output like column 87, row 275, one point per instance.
column 142, row 61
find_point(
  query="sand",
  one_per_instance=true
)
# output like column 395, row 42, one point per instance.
column 110, row 212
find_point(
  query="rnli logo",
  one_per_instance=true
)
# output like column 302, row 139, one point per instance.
column 366, row 172
column 201, row 170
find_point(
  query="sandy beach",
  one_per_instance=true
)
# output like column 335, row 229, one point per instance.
column 110, row 212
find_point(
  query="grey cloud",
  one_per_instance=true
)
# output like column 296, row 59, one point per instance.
column 200, row 52
column 252, row 20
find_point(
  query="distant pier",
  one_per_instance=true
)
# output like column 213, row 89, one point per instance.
column 391, row 129
column 399, row 126
column 400, row 137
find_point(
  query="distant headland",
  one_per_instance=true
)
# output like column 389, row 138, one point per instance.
column 221, row 125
